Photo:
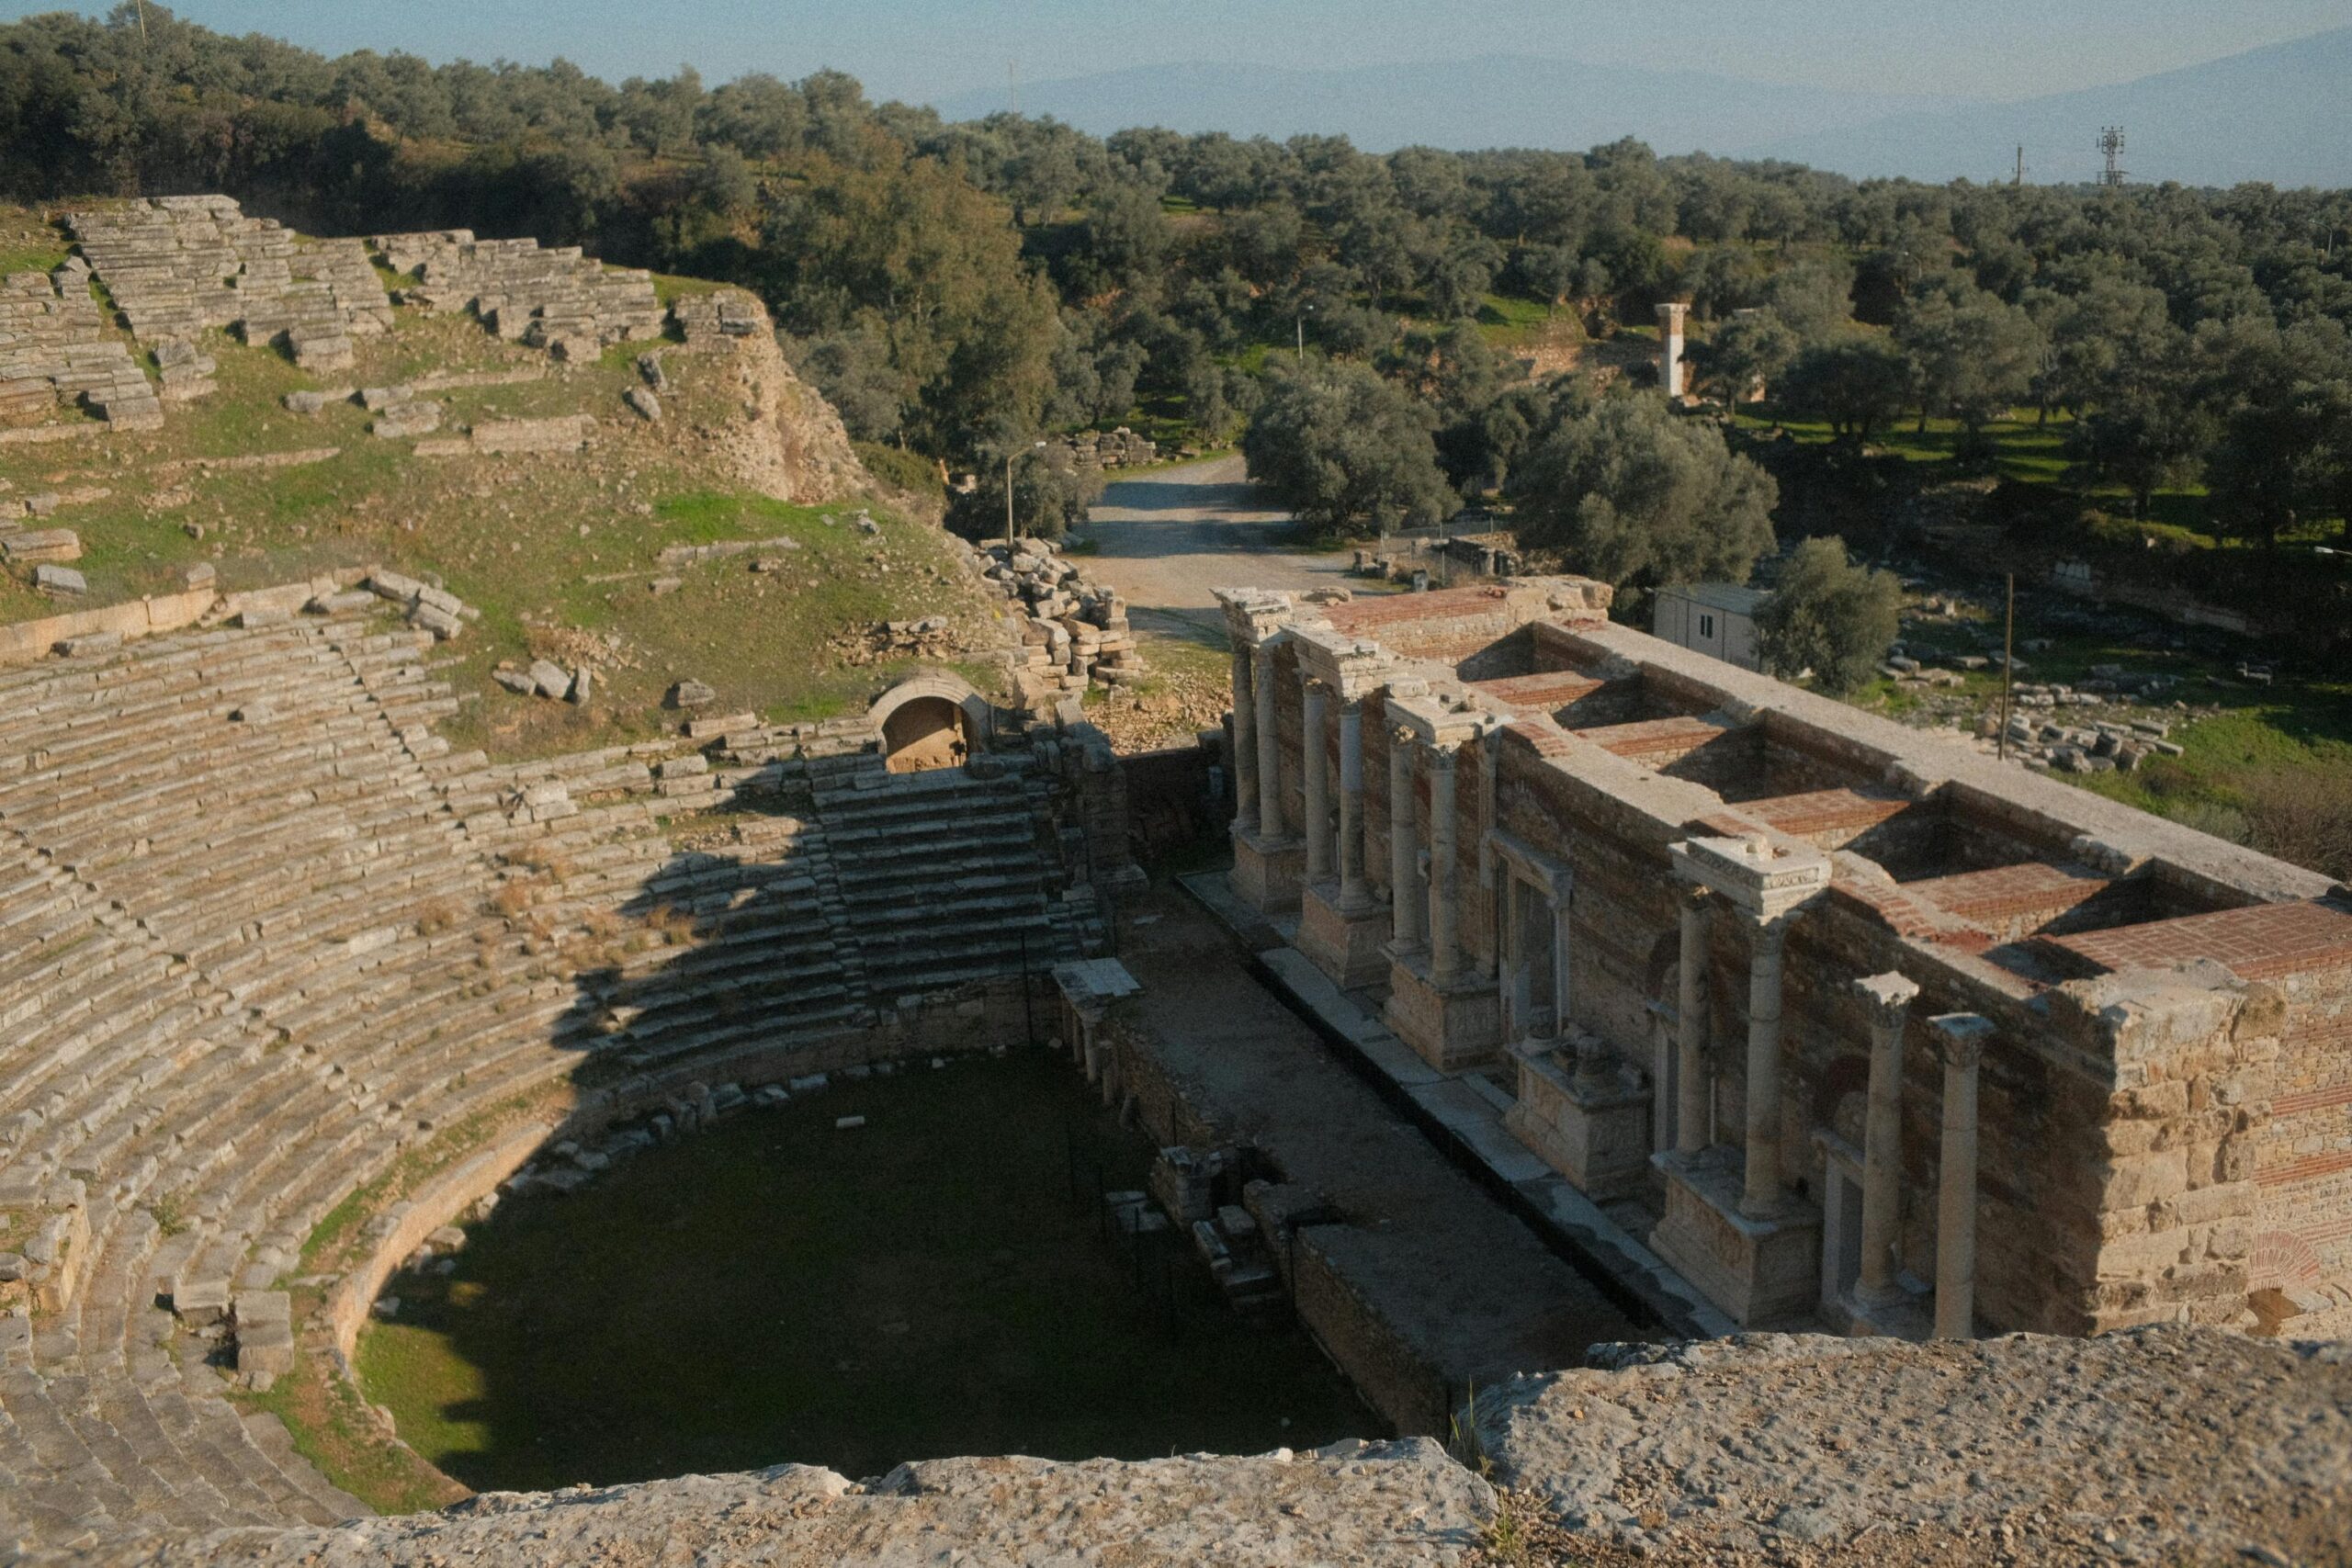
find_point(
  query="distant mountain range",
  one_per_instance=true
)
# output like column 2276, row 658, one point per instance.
column 2281, row 114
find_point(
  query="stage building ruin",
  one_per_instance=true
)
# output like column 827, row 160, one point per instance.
column 1872, row 1031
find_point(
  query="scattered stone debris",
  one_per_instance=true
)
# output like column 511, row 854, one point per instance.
column 429, row 606
column 1073, row 633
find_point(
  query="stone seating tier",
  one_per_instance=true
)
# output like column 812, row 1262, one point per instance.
column 176, row 270
column 261, row 933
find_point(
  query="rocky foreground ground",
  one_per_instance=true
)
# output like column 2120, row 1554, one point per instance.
column 2161, row 1446
column 2158, row 1445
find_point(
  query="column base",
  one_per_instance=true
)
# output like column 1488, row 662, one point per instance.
column 1596, row 1135
column 1909, row 1315
column 1761, row 1273
column 1450, row 1028
column 1344, row 944
column 1267, row 873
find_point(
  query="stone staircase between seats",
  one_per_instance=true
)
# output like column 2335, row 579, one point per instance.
column 262, row 930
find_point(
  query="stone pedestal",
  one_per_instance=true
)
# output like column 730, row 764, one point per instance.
column 1592, row 1128
column 1351, row 946
column 1267, row 873
column 1903, row 1314
column 1450, row 1027
column 1762, row 1272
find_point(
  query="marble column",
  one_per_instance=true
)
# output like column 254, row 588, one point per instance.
column 1690, row 1025
column 1760, row 1196
column 1355, row 894
column 1245, row 745
column 1314, row 704
column 1887, row 1001
column 1960, row 1037
column 1404, row 846
column 1269, row 754
column 1445, row 895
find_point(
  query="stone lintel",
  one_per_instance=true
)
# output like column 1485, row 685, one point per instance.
column 1961, row 1036
column 1754, row 875
column 1352, row 666
column 1556, row 877
column 1433, row 721
column 1886, row 996
column 1253, row 615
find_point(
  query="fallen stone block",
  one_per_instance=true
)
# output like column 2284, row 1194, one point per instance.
column 549, row 679
column 34, row 545
column 60, row 579
column 690, row 694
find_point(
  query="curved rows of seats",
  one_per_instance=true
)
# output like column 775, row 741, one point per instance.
column 261, row 931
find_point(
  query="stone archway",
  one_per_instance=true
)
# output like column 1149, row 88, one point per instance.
column 930, row 721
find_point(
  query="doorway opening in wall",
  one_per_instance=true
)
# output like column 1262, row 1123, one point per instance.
column 907, row 1265
column 1842, row 1230
column 923, row 733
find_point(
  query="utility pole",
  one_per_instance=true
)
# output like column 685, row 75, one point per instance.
column 2017, row 179
column 1010, row 453
column 142, row 23
column 2009, row 670
column 1012, row 84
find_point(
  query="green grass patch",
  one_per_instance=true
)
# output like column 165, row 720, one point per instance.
column 780, row 1290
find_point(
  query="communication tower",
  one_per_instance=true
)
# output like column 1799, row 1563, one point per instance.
column 2111, row 143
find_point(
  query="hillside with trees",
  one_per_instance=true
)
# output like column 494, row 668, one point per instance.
column 2153, row 369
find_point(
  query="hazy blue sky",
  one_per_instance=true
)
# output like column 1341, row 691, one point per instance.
column 922, row 49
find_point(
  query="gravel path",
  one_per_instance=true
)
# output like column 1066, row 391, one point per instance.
column 1168, row 538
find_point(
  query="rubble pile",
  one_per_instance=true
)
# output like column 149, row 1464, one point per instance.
column 1075, row 631
column 1120, row 448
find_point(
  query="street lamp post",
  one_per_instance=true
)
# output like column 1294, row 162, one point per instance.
column 1300, row 322
column 1009, row 455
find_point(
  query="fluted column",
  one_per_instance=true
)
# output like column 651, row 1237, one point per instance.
column 1245, row 744
column 1961, row 1038
column 1314, row 704
column 1760, row 1196
column 1355, row 894
column 1690, row 1025
column 1887, row 1000
column 1269, row 753
column 1404, row 846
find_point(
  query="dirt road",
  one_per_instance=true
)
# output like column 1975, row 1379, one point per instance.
column 1168, row 538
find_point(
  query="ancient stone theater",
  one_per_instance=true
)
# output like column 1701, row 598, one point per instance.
column 1858, row 1029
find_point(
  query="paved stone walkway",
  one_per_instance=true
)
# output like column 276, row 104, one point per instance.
column 1463, row 1281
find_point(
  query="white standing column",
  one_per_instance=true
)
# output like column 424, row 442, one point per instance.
column 1445, row 894
column 1961, row 1038
column 1355, row 895
column 1269, row 751
column 1314, row 705
column 1886, row 999
column 1404, row 846
column 1245, row 744
column 1760, row 1196
column 1691, row 1024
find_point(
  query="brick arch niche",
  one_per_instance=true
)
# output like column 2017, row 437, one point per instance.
column 931, row 721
